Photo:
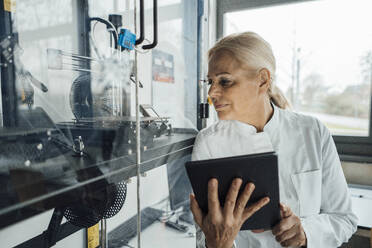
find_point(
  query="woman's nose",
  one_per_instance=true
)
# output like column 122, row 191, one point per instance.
column 214, row 91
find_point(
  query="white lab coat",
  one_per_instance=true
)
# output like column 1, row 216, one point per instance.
column 311, row 180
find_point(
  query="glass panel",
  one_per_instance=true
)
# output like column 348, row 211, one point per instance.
column 68, row 141
column 71, row 144
column 324, row 64
column 54, row 13
column 168, row 74
column 164, row 201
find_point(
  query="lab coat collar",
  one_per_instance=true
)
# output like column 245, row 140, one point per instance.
column 273, row 123
column 245, row 127
column 270, row 127
column 249, row 129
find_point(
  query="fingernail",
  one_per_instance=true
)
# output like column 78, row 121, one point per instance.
column 211, row 182
column 267, row 199
column 237, row 181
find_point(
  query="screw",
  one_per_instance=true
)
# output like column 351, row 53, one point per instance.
column 39, row 146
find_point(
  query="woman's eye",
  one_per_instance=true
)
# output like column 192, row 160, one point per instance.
column 225, row 82
column 210, row 82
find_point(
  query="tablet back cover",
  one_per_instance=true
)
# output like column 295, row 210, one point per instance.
column 260, row 169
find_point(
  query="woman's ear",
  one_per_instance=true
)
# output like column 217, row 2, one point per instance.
column 264, row 79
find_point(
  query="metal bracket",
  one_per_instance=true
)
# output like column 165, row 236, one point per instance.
column 7, row 49
column 204, row 110
column 53, row 228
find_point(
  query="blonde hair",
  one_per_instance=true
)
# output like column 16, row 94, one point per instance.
column 252, row 50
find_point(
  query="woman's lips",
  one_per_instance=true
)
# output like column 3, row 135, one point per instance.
column 219, row 106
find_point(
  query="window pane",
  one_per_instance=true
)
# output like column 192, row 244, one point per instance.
column 324, row 57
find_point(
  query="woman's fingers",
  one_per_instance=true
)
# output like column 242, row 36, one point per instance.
column 298, row 240
column 284, row 225
column 248, row 212
column 286, row 235
column 231, row 197
column 289, row 231
column 196, row 211
column 213, row 201
column 243, row 199
column 285, row 211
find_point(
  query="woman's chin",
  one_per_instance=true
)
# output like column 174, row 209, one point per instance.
column 224, row 116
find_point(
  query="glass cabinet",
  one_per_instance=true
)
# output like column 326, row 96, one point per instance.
column 99, row 112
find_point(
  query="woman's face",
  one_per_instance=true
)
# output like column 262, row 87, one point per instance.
column 236, row 91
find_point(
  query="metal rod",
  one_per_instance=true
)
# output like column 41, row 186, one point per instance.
column 76, row 65
column 79, row 69
column 80, row 60
column 138, row 142
column 103, row 234
column 76, row 56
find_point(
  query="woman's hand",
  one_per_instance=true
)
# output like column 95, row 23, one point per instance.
column 221, row 225
column 289, row 231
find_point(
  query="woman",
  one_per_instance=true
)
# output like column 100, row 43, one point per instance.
column 315, row 203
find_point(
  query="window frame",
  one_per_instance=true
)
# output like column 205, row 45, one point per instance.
column 349, row 148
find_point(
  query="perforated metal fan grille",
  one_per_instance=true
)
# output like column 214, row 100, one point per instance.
column 86, row 214
column 81, row 216
column 121, row 193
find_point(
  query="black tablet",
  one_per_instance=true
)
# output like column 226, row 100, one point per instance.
column 260, row 169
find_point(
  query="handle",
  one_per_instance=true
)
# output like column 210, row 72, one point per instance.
column 155, row 41
column 142, row 23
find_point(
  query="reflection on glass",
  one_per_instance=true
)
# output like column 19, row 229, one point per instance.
column 324, row 65
column 72, row 146
column 67, row 148
column 33, row 15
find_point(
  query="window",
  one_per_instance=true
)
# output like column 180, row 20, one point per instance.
column 324, row 60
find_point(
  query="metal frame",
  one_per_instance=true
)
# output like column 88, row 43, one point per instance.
column 8, row 88
column 200, row 122
column 350, row 148
column 82, row 15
